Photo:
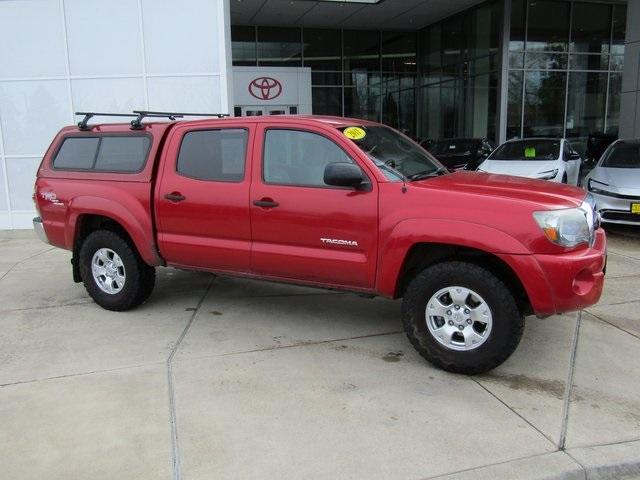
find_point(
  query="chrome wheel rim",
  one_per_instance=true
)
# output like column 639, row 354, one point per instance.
column 458, row 318
column 108, row 271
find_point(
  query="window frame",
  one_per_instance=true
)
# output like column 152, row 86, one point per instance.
column 209, row 129
column 100, row 136
column 365, row 175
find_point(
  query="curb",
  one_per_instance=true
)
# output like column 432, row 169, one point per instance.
column 615, row 461
column 620, row 461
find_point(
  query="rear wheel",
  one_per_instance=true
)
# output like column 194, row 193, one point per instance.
column 113, row 273
column 461, row 317
column 565, row 179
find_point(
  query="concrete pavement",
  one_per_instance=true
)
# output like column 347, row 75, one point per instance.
column 242, row 379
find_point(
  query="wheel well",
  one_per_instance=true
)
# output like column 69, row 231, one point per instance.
column 423, row 255
column 85, row 225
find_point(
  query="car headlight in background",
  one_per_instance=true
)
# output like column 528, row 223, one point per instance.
column 547, row 174
column 568, row 227
column 596, row 187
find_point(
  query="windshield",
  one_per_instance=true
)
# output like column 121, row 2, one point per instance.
column 397, row 157
column 533, row 149
column 623, row 155
column 444, row 147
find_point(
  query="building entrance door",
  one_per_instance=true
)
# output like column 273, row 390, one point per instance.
column 256, row 111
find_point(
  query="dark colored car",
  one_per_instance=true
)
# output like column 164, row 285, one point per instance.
column 597, row 143
column 461, row 153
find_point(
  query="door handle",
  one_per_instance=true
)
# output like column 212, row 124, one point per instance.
column 265, row 203
column 175, row 197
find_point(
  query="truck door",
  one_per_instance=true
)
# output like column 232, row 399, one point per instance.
column 202, row 197
column 303, row 229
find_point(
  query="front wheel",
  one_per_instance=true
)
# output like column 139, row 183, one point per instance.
column 461, row 317
column 113, row 273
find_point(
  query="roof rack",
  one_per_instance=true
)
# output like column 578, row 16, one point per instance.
column 137, row 123
column 82, row 125
column 139, row 115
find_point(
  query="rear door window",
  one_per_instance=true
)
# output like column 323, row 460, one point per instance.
column 217, row 155
column 120, row 154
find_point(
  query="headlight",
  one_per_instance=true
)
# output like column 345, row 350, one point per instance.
column 569, row 227
column 594, row 186
column 547, row 174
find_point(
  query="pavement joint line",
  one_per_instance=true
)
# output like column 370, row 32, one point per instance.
column 616, row 303
column 514, row 411
column 607, row 444
column 81, row 374
column 45, row 307
column 613, row 324
column 624, row 255
column 294, row 345
column 471, row 469
column 175, row 451
column 24, row 260
column 568, row 386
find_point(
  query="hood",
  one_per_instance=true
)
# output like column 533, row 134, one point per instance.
column 621, row 180
column 544, row 194
column 520, row 168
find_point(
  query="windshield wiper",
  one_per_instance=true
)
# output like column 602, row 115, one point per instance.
column 388, row 168
column 427, row 174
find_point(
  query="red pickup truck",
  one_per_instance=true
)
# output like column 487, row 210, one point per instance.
column 329, row 202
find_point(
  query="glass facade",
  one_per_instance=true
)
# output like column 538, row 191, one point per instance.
column 565, row 62
column 355, row 73
column 458, row 94
column 564, row 70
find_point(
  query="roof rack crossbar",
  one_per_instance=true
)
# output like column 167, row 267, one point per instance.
column 82, row 125
column 151, row 113
column 140, row 115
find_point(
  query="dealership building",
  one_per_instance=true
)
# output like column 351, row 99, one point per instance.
column 434, row 69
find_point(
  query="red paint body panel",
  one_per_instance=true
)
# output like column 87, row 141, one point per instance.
column 210, row 229
column 218, row 228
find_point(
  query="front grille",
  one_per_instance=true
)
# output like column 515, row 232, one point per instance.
column 621, row 216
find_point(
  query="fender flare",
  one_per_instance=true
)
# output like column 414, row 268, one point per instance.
column 410, row 232
column 141, row 233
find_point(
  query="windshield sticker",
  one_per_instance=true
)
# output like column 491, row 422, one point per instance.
column 530, row 152
column 354, row 133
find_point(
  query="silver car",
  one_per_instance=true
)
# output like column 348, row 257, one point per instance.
column 615, row 183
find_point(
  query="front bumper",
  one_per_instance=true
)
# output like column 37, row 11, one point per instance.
column 564, row 282
column 38, row 227
column 616, row 210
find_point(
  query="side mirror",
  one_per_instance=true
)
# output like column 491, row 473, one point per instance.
column 342, row 174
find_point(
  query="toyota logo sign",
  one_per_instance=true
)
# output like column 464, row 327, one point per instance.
column 265, row 88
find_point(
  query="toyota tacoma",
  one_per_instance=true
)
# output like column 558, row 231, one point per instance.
column 328, row 202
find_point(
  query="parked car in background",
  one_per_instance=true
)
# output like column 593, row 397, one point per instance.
column 597, row 143
column 461, row 153
column 543, row 158
column 615, row 183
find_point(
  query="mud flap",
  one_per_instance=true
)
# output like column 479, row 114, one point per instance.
column 75, row 268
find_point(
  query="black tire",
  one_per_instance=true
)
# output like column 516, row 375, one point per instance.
column 565, row 179
column 508, row 321
column 140, row 277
